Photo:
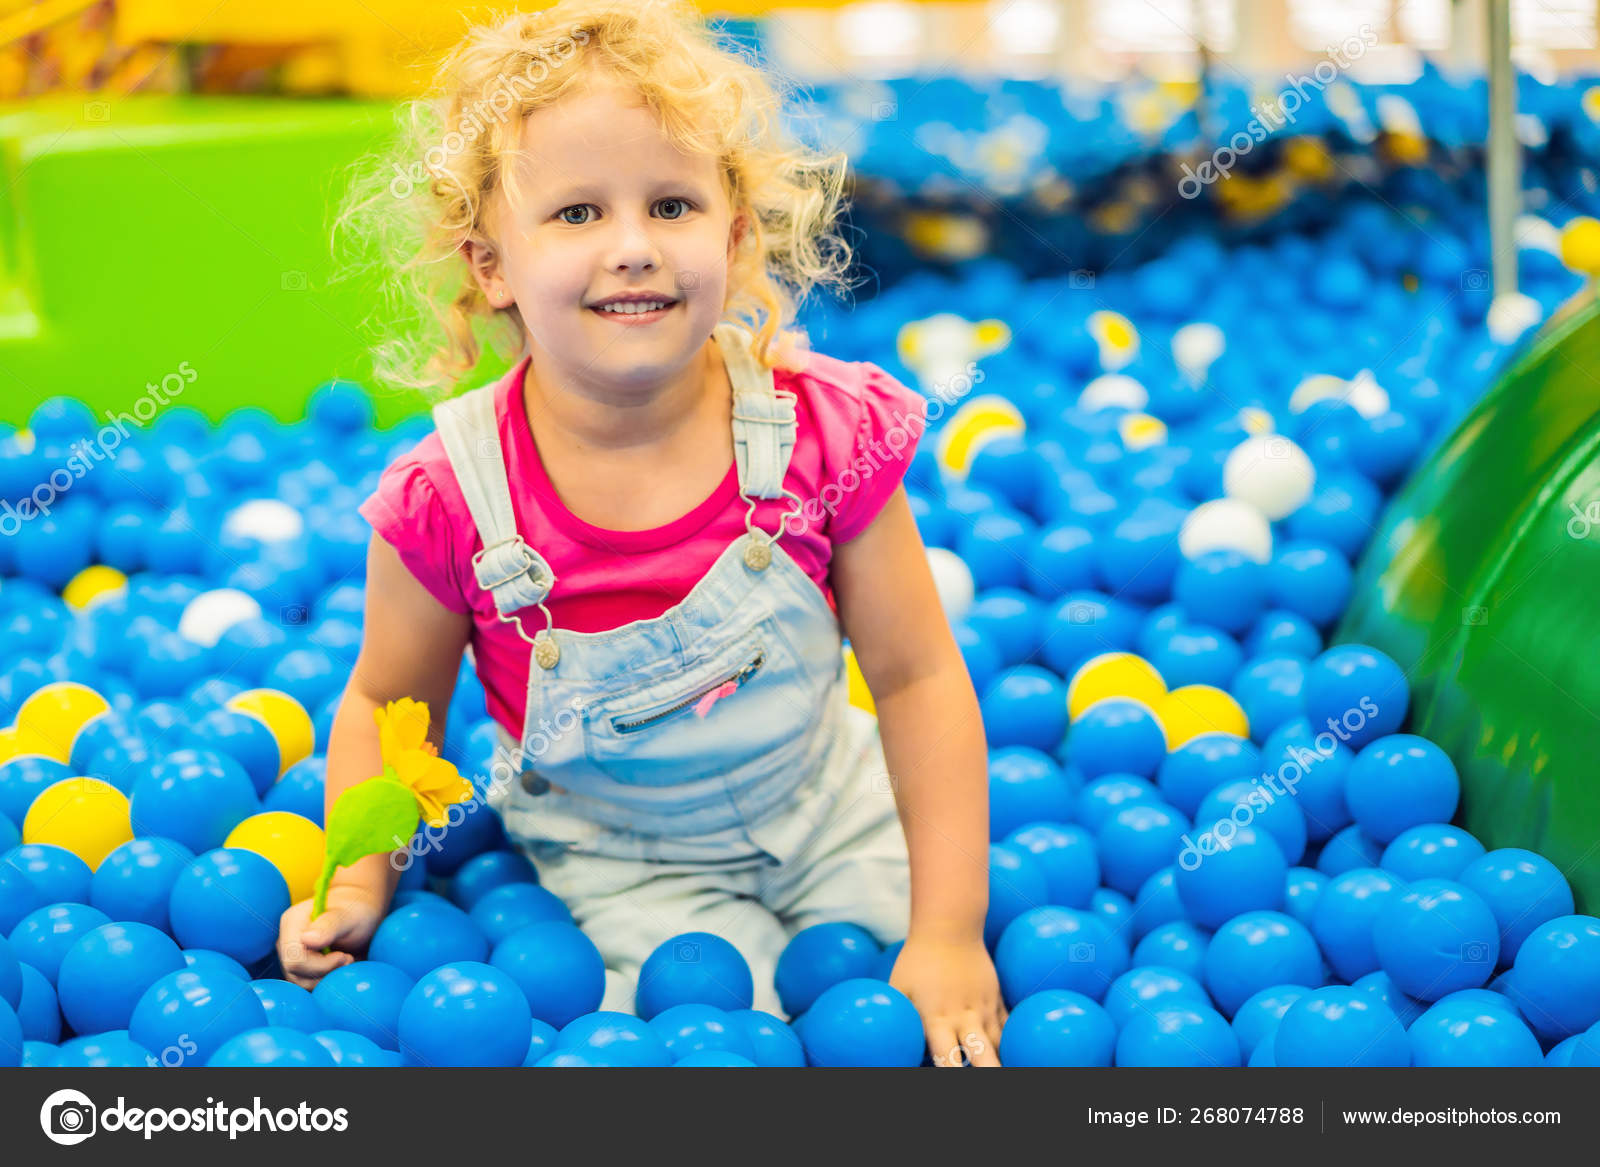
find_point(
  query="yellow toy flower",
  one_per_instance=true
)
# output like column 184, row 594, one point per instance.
column 433, row 781
column 402, row 725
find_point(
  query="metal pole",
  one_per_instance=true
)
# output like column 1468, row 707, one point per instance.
column 1505, row 164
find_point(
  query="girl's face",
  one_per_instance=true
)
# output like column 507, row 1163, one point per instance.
column 609, row 205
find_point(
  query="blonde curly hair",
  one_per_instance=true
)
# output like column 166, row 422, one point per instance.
column 412, row 207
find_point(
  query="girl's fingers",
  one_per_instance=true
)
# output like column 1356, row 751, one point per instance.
column 942, row 1044
column 983, row 1047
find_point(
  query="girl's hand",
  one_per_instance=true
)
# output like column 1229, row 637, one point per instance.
column 953, row 985
column 351, row 917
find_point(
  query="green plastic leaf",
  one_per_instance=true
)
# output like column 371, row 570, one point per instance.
column 370, row 817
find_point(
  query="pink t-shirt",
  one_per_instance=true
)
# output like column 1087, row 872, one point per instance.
column 857, row 429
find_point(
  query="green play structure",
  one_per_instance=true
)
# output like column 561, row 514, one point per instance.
column 1478, row 584
column 138, row 233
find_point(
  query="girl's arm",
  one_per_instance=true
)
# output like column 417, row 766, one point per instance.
column 938, row 764
column 411, row 647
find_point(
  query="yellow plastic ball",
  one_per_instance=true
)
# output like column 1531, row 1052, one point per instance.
column 285, row 717
column 977, row 423
column 1188, row 712
column 1580, row 245
column 290, row 842
column 16, row 744
column 93, row 583
column 859, row 695
column 1114, row 674
column 86, row 816
column 49, row 720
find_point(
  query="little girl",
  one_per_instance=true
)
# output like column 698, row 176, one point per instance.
column 654, row 530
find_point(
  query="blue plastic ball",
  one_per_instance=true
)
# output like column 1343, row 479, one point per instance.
column 103, row 975
column 1249, row 801
column 1197, row 655
column 185, row 1017
column 1522, row 889
column 245, row 739
column 418, row 938
column 272, row 1046
column 301, row 790
column 1440, row 851
column 1202, row 764
column 1269, row 689
column 194, row 797
column 542, row 1043
column 1256, row 950
column 691, row 1028
column 512, row 906
column 1283, row 633
column 775, row 1043
column 694, row 968
column 24, row 778
column 1381, row 986
column 1178, row 945
column 229, row 900
column 1218, row 878
column 1223, row 589
column 1016, row 883
column 288, row 1005
column 1340, row 1025
column 1026, row 786
column 1059, row 560
column 1148, row 989
column 350, row 1049
column 1256, row 1020
column 114, row 1048
column 1058, row 1028
column 1058, row 948
column 204, row 960
column 1556, row 976
column 1157, row 903
column 1311, row 580
column 134, row 882
column 465, row 1013
column 1349, row 849
column 1301, row 893
column 37, row 1007
column 1401, row 781
column 1435, row 938
column 613, row 1039
column 1464, row 1032
column 1103, row 797
column 863, row 1022
column 1083, row 625
column 1345, row 916
column 43, row 937
column 1183, row 1034
column 364, row 997
column 1360, row 689
column 36, row 875
column 483, row 873
column 558, row 969
column 1137, row 841
column 819, row 957
column 1311, row 765
column 1068, row 857
column 1117, row 736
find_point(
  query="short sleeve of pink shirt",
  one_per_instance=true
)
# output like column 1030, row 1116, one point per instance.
column 857, row 430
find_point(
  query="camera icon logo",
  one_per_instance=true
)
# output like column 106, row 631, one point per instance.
column 1475, row 616
column 885, row 111
column 1276, row 449
column 1474, row 952
column 1475, row 280
column 293, row 281
column 686, row 952
column 67, row 1117
column 1080, row 613
column 686, row 281
column 293, row 615
column 1081, row 278
column 96, row 111
column 1081, row 953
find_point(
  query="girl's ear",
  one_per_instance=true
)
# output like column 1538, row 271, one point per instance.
column 739, row 229
column 484, row 263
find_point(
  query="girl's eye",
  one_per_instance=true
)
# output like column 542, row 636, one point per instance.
column 681, row 204
column 566, row 214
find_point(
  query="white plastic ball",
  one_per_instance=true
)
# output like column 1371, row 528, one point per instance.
column 1113, row 391
column 1196, row 347
column 267, row 520
column 210, row 614
column 1226, row 524
column 1512, row 314
column 1362, row 393
column 1271, row 473
column 953, row 579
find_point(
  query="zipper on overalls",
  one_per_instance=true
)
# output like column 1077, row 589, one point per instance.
column 738, row 677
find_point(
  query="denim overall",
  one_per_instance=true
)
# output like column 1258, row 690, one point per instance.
column 697, row 756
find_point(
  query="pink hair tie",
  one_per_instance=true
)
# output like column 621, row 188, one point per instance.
column 703, row 706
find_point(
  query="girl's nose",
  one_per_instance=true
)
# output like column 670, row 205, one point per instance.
column 633, row 249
